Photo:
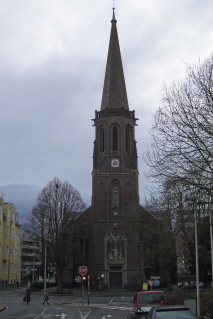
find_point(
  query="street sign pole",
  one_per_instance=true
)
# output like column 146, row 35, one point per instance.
column 150, row 282
column 82, row 290
column 83, row 270
column 88, row 289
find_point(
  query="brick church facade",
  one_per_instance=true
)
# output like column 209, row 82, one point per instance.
column 101, row 233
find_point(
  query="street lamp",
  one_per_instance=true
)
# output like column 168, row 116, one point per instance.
column 33, row 270
column 211, row 238
column 197, row 265
column 196, row 255
column 45, row 263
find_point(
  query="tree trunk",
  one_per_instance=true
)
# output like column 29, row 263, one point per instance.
column 59, row 279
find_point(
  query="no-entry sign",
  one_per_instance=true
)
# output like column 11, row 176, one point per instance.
column 83, row 270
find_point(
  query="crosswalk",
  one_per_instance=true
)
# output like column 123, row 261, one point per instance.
column 116, row 308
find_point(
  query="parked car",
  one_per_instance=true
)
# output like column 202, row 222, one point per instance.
column 149, row 298
column 191, row 285
column 139, row 313
column 171, row 312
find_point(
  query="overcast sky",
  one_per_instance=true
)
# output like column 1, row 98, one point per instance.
column 52, row 64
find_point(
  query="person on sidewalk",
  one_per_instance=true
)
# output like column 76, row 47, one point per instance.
column 46, row 298
column 27, row 296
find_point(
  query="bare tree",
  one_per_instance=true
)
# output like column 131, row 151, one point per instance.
column 58, row 204
column 181, row 200
column 182, row 131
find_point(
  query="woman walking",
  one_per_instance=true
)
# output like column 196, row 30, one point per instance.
column 46, row 298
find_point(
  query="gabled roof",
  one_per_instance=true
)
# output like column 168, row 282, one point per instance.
column 114, row 91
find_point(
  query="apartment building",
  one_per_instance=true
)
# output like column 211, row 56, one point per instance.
column 30, row 259
column 10, row 247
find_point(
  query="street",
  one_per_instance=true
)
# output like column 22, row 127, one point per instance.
column 65, row 306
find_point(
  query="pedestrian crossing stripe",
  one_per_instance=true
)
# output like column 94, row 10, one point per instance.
column 116, row 308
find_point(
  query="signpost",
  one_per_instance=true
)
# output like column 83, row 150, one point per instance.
column 150, row 282
column 77, row 279
column 83, row 270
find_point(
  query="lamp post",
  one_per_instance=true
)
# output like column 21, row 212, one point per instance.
column 211, row 239
column 45, row 264
column 196, row 255
column 33, row 269
column 9, row 253
column 197, row 265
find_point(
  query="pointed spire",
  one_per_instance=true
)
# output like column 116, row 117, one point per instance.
column 114, row 91
column 113, row 15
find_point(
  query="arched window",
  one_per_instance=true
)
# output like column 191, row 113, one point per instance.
column 84, row 247
column 102, row 141
column 115, row 241
column 115, row 139
column 115, row 196
column 127, row 140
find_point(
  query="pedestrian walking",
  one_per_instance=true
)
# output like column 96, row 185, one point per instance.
column 26, row 298
column 46, row 298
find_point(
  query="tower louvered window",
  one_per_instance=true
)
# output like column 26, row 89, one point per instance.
column 115, row 196
column 102, row 141
column 115, row 139
column 127, row 140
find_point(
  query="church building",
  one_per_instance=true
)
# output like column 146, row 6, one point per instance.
column 101, row 238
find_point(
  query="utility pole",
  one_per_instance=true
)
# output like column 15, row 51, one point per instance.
column 45, row 264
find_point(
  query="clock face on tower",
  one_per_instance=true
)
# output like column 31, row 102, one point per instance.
column 115, row 162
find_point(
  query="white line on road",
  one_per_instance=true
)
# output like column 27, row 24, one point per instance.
column 82, row 316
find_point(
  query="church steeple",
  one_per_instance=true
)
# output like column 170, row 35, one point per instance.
column 114, row 91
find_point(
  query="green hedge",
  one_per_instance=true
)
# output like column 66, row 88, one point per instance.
column 36, row 285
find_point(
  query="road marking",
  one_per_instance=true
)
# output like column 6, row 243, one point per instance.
column 63, row 316
column 115, row 308
column 82, row 316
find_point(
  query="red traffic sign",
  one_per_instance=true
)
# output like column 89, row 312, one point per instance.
column 83, row 270
column 150, row 282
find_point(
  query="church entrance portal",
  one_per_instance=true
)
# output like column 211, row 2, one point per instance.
column 115, row 278
column 115, row 257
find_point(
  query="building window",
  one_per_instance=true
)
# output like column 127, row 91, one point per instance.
column 102, row 148
column 115, row 241
column 4, row 268
column 127, row 140
column 1, row 211
column 115, row 196
column 115, row 139
column 84, row 248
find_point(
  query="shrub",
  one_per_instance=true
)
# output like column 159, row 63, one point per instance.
column 36, row 285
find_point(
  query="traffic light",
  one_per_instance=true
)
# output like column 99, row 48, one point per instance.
column 84, row 278
column 92, row 280
column 98, row 278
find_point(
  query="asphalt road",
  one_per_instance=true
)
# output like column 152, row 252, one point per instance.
column 93, row 306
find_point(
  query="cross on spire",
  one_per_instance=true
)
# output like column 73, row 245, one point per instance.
column 113, row 15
